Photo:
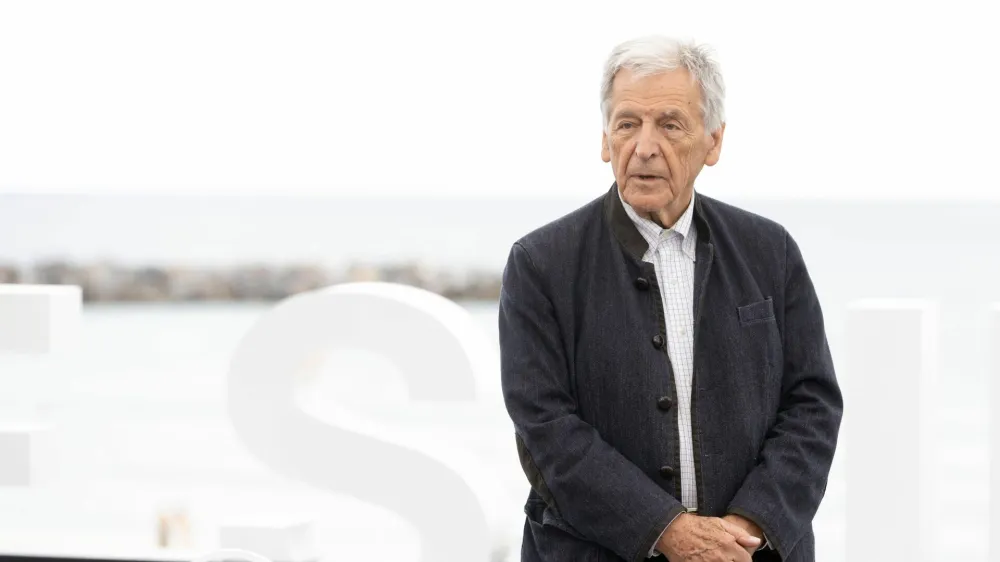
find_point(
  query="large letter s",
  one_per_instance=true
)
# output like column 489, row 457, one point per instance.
column 440, row 351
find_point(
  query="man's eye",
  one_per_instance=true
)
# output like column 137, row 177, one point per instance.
column 671, row 127
column 625, row 126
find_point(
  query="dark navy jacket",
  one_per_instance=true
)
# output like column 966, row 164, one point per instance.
column 588, row 385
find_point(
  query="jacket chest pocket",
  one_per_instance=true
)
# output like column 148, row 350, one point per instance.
column 759, row 340
column 756, row 312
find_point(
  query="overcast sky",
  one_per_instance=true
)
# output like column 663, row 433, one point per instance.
column 838, row 99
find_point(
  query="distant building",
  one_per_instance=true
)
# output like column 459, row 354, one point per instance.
column 9, row 274
column 105, row 281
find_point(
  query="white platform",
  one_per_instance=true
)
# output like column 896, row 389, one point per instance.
column 25, row 455
column 39, row 318
column 281, row 539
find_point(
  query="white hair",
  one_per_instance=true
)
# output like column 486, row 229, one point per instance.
column 654, row 54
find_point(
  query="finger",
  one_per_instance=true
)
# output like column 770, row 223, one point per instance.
column 743, row 538
column 748, row 541
column 732, row 528
column 739, row 554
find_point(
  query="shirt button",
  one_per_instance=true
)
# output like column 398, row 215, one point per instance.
column 642, row 284
column 667, row 471
column 657, row 341
column 664, row 403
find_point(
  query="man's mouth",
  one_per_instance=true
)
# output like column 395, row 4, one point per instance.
column 647, row 177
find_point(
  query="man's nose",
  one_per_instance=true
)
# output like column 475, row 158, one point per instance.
column 647, row 144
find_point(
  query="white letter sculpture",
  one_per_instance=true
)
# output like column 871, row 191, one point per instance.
column 34, row 320
column 441, row 353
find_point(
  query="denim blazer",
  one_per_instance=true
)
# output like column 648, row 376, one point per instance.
column 587, row 383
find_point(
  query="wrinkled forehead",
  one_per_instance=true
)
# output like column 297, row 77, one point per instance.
column 664, row 92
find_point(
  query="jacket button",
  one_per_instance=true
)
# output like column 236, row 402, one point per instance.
column 657, row 341
column 667, row 471
column 664, row 403
column 642, row 283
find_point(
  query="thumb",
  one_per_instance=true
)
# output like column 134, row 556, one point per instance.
column 742, row 537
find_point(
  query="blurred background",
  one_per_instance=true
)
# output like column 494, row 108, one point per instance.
column 190, row 165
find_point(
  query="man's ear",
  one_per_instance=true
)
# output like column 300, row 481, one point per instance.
column 605, row 151
column 712, row 158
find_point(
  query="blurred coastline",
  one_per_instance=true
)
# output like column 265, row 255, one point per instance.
column 112, row 282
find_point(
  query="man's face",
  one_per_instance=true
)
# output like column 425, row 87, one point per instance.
column 656, row 141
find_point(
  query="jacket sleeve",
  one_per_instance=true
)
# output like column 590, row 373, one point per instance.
column 590, row 485
column 783, row 491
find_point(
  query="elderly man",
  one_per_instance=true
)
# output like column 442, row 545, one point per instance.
column 663, row 354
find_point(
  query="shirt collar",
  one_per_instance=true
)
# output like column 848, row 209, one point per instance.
column 654, row 233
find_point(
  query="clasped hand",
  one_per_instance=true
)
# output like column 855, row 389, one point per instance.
column 692, row 538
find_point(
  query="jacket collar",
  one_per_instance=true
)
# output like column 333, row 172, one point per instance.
column 653, row 232
column 628, row 235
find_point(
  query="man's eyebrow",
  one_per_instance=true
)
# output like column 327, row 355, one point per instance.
column 665, row 115
column 626, row 114
column 674, row 114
